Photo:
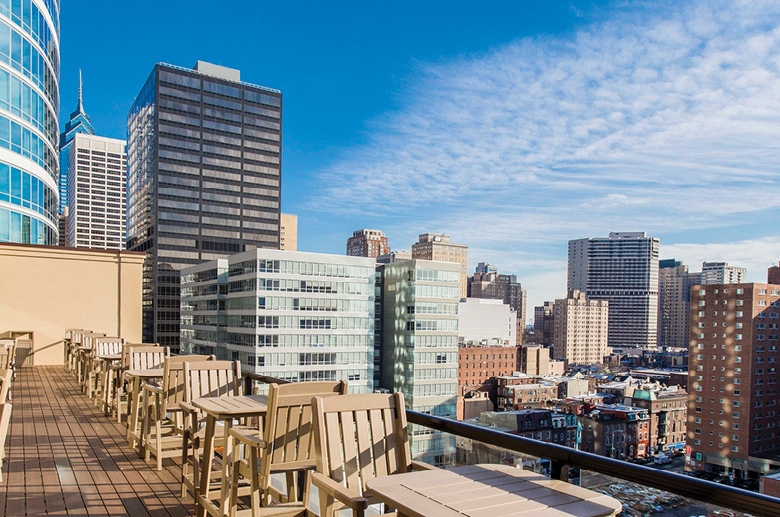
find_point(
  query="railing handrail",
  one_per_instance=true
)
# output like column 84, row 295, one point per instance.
column 562, row 457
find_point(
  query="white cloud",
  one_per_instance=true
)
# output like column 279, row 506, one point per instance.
column 663, row 117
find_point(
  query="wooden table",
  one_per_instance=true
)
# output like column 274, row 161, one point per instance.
column 134, row 401
column 487, row 491
column 225, row 409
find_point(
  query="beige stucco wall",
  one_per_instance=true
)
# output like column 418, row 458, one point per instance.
column 46, row 289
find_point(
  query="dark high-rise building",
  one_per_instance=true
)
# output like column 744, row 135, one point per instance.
column 204, row 178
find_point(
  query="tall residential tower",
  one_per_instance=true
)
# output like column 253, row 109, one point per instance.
column 204, row 163
column 623, row 270
column 29, row 103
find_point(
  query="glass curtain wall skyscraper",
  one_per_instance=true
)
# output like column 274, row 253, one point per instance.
column 204, row 182
column 78, row 123
column 29, row 103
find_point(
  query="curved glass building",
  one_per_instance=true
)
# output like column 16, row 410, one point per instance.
column 29, row 103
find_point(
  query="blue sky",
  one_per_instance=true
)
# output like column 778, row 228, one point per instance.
column 513, row 127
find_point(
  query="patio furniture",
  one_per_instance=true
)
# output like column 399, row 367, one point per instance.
column 358, row 438
column 163, row 418
column 105, row 351
column 204, row 382
column 486, row 491
column 5, row 419
column 285, row 444
column 145, row 364
column 117, row 380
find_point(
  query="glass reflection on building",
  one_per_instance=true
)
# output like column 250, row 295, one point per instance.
column 29, row 103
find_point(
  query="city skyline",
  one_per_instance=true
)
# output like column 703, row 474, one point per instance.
column 562, row 130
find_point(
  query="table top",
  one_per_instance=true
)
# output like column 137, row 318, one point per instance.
column 110, row 357
column 488, row 491
column 145, row 374
column 233, row 406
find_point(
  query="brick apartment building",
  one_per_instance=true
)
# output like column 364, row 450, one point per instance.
column 615, row 431
column 732, row 385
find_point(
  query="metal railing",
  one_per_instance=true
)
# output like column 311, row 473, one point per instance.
column 564, row 458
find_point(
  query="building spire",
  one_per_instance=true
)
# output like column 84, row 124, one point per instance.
column 81, row 99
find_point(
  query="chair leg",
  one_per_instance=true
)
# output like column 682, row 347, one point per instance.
column 184, row 461
column 255, row 481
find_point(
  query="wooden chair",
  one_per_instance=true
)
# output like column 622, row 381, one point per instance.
column 163, row 433
column 119, row 385
column 140, row 358
column 84, row 357
column 6, row 376
column 98, row 370
column 8, row 356
column 202, row 379
column 5, row 419
column 284, row 445
column 72, row 342
column 358, row 438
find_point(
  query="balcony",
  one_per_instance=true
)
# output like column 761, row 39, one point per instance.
column 64, row 457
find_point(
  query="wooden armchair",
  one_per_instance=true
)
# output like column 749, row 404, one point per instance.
column 163, row 433
column 72, row 342
column 284, row 445
column 8, row 358
column 5, row 419
column 145, row 355
column 202, row 379
column 102, row 347
column 84, row 357
column 6, row 376
column 140, row 358
column 358, row 438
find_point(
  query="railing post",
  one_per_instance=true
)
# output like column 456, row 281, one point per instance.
column 559, row 470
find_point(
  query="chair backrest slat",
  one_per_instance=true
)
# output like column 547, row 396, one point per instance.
column 211, row 379
column 108, row 346
column 173, row 380
column 146, row 357
column 288, row 425
column 360, row 437
column 89, row 338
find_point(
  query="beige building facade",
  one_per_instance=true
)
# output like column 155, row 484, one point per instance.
column 288, row 232
column 581, row 329
column 47, row 289
column 432, row 246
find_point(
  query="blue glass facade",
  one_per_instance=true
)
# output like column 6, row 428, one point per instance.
column 29, row 103
column 79, row 123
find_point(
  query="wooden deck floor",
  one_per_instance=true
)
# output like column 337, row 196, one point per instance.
column 64, row 457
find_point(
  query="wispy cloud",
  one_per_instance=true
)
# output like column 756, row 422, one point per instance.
column 662, row 117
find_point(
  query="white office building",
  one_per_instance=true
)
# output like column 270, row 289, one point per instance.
column 487, row 322
column 722, row 273
column 623, row 270
column 97, row 193
column 420, row 346
column 291, row 315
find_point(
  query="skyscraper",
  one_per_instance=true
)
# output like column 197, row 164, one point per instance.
column 623, row 270
column 29, row 103
column 431, row 246
column 674, row 302
column 367, row 243
column 78, row 123
column 96, row 213
column 204, row 164
column 722, row 273
column 732, row 378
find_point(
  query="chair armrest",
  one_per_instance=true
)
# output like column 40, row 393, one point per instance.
column 421, row 465
column 339, row 491
column 152, row 388
column 248, row 436
column 187, row 407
